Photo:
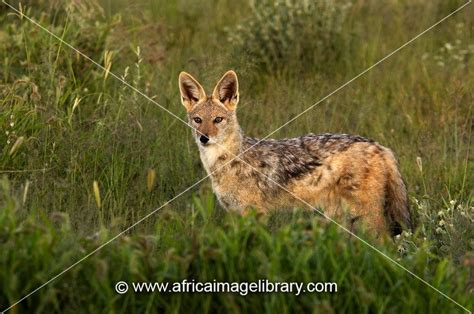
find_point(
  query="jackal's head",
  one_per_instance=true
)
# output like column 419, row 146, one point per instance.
column 213, row 117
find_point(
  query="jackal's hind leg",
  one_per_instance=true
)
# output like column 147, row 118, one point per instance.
column 366, row 212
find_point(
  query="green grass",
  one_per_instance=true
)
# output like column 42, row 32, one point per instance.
column 418, row 102
column 208, row 246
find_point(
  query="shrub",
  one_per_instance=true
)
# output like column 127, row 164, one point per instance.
column 279, row 31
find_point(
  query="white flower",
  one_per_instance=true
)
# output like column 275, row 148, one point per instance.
column 401, row 249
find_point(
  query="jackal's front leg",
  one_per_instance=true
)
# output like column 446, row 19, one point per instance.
column 248, row 210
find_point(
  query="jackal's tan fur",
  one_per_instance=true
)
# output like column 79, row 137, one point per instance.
column 350, row 177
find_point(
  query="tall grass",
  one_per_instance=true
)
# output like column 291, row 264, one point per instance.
column 207, row 247
column 82, row 154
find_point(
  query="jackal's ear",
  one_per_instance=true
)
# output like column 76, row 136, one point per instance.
column 191, row 90
column 227, row 90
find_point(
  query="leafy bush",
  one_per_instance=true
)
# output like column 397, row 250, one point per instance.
column 449, row 228
column 278, row 31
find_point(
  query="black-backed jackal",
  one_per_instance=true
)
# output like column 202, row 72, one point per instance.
column 351, row 178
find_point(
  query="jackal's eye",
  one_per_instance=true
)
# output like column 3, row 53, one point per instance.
column 197, row 120
column 218, row 120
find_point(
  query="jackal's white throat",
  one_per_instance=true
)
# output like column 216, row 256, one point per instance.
column 210, row 154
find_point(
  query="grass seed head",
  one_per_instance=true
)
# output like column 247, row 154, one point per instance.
column 19, row 141
column 95, row 188
column 150, row 180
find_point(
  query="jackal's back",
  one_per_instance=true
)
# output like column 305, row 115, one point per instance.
column 266, row 165
column 291, row 159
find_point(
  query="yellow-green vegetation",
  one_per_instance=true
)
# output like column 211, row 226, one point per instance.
column 82, row 156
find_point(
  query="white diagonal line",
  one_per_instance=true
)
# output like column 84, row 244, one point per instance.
column 235, row 157
column 359, row 75
column 102, row 245
column 22, row 15
column 361, row 239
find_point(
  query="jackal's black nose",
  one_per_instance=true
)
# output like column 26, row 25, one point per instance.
column 204, row 139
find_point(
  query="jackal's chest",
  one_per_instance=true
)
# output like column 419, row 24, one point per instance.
column 231, row 191
column 211, row 157
column 227, row 199
column 234, row 190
